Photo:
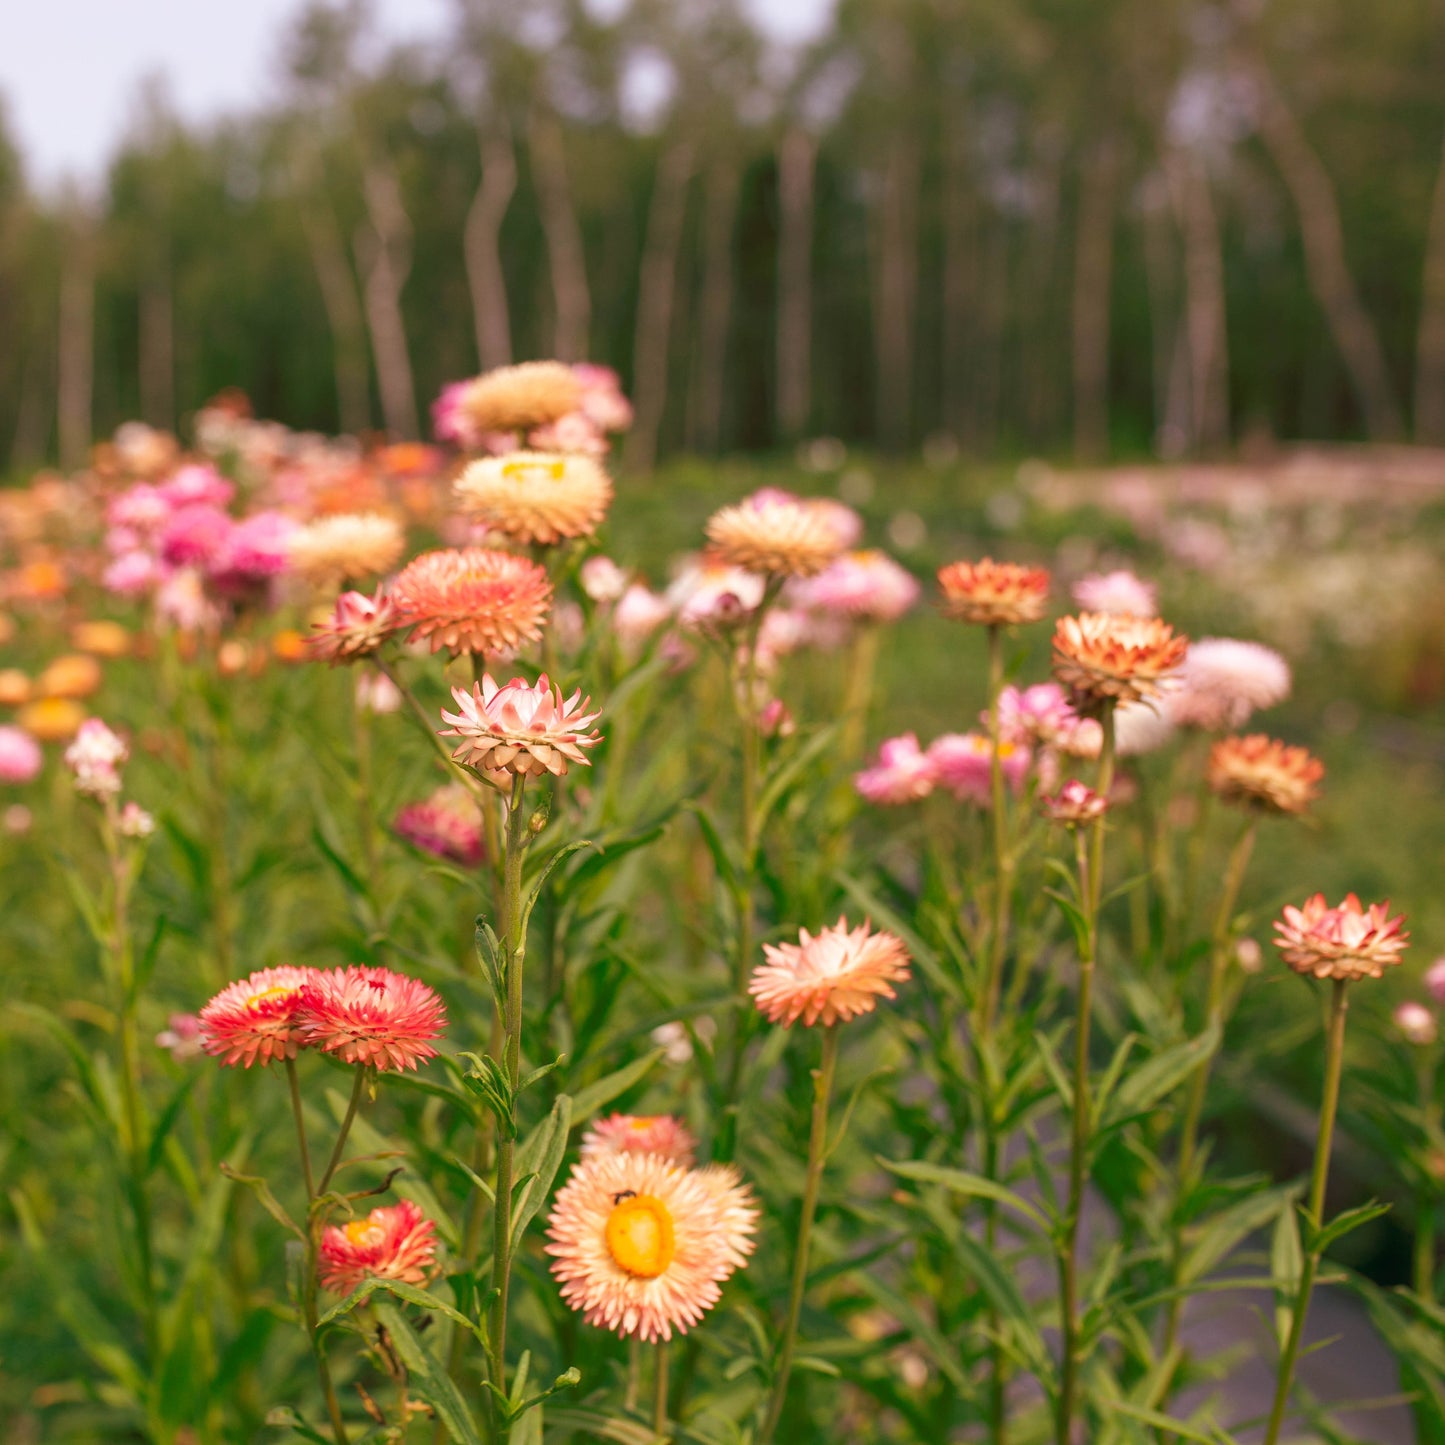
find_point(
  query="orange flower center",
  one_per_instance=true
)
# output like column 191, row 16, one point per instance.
column 277, row 990
column 642, row 1123
column 639, row 1235
column 534, row 471
column 363, row 1233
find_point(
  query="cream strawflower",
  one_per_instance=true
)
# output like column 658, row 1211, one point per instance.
column 541, row 497
column 1261, row 773
column 473, row 600
column 779, row 535
column 1344, row 943
column 993, row 594
column 518, row 398
column 353, row 544
column 519, row 728
column 642, row 1247
column 1102, row 659
column 659, row 1134
column 835, row 974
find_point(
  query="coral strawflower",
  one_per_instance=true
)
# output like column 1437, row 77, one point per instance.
column 993, row 593
column 536, row 496
column 357, row 627
column 1102, row 659
column 473, row 600
column 255, row 1019
column 394, row 1241
column 1262, row 773
column 1074, row 804
column 835, row 974
column 371, row 1016
column 659, row 1134
column 1344, row 943
column 520, row 728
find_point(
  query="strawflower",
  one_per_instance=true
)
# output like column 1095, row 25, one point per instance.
column 447, row 825
column 836, row 974
column 1102, row 659
column 256, row 1019
column 1223, row 681
column 536, row 496
column 1346, row 942
column 903, row 773
column 963, row 763
column 473, row 600
column 866, row 586
column 1074, row 804
column 661, row 1134
column 1416, row 1023
column 1262, row 773
column 371, row 1016
column 1119, row 593
column 777, row 535
column 518, row 398
column 357, row 627
column 394, row 1241
column 993, row 594
column 520, row 728
column 351, row 544
column 1435, row 980
column 95, row 757
column 20, row 756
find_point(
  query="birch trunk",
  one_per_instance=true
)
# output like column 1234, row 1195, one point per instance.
column 797, row 156
column 158, row 352
column 895, row 288
column 705, row 421
column 1430, row 346
column 959, row 294
column 383, row 247
column 482, row 244
column 571, row 297
column 656, row 285
column 1093, row 277
column 75, row 383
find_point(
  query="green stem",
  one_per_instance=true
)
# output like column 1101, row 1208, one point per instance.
column 295, row 1086
column 1425, row 1239
column 1314, row 1221
column 817, row 1156
column 1002, row 861
column 332, row 1164
column 659, row 1393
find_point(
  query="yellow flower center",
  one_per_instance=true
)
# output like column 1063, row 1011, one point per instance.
column 533, row 471
column 639, row 1235
column 642, row 1123
column 363, row 1233
column 277, row 990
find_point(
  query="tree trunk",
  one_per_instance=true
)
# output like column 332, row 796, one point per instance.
column 75, row 383
column 1430, row 354
column 797, row 156
column 32, row 414
column 1169, row 430
column 1328, row 270
column 1205, row 331
column 959, row 292
column 571, row 296
column 383, row 248
column 656, row 283
column 705, row 422
column 158, row 351
column 1093, row 277
column 895, row 288
column 482, row 243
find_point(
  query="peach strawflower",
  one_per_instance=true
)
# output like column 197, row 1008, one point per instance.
column 519, row 728
column 255, row 1019
column 642, row 1246
column 993, row 593
column 659, row 1134
column 394, row 1241
column 1262, row 773
column 357, row 627
column 1344, row 943
column 448, row 825
column 76, row 675
column 1102, row 659
column 518, row 398
column 541, row 497
column 371, row 1016
column 350, row 544
column 833, row 975
column 1073, row 804
column 473, row 600
column 101, row 637
column 778, row 535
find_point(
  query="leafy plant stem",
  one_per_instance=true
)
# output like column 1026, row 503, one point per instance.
column 659, row 1392
column 1002, row 859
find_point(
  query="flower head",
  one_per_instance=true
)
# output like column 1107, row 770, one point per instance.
column 256, row 1018
column 357, row 627
column 1416, row 1023
column 1224, row 680
column 473, row 600
column 642, row 1246
column 350, row 544
column 993, row 593
column 778, row 535
column 95, row 757
column 20, row 756
column 1119, row 593
column 659, row 1134
column 868, row 586
column 182, row 1037
column 1073, row 804
column 372, row 1016
column 394, row 1241
column 835, row 974
column 1142, row 727
column 1435, row 980
column 963, row 763
column 541, row 497
column 1034, row 715
column 1102, row 659
column 1261, row 773
column 519, row 728
column 135, row 822
column 1343, row 943
column 518, row 398
column 904, row 773
column 447, row 825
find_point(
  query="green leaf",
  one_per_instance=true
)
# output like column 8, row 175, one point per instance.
column 537, row 1075
column 1157, row 1078
column 945, row 1354
column 427, row 1378
column 959, row 1181
column 1167, row 1423
column 284, row 1416
column 1077, row 922
column 348, row 875
column 722, row 859
column 408, row 1292
column 166, row 1122
column 1286, row 1261
column 545, row 872
column 593, row 1424
column 269, row 1202
column 541, row 1157
column 1215, row 1237
column 775, row 788
column 586, row 1102
column 1343, row 1224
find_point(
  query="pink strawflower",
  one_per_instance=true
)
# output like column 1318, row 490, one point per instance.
column 1435, row 981
column 141, row 508
column 182, row 1037
column 95, row 757
column 377, row 693
column 447, row 825
column 601, row 400
column 1039, row 714
column 602, row 579
column 199, row 484
column 256, row 1018
column 356, row 628
column 1120, row 593
column 659, row 1134
column 1223, row 681
column 1347, row 942
column 902, row 774
column 711, row 595
column 371, row 1016
column 20, row 756
column 868, row 586
column 1073, row 804
column 1416, row 1023
column 256, row 548
column 135, row 822
column 639, row 613
column 520, row 728
column 1142, row 727
column 394, row 1241
column 181, row 600
column 574, row 434
column 131, row 574
column 449, row 422
column 196, row 535
column 827, row 977
column 963, row 763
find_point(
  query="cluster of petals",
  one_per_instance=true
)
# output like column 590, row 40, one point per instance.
column 1343, row 943
column 1102, row 659
column 95, row 758
column 963, row 765
column 472, row 599
column 835, row 974
column 1417, row 1024
column 394, row 1241
column 903, row 773
column 468, row 414
column 661, row 1134
column 447, row 825
column 348, row 544
column 1224, row 680
column 518, row 398
column 1265, row 774
column 776, row 535
column 520, row 728
column 1075, row 803
column 642, row 1245
column 711, row 595
column 993, row 594
column 536, row 497
column 1038, row 715
column 256, row 1019
column 357, row 627
column 20, row 755
column 1120, row 593
column 866, row 586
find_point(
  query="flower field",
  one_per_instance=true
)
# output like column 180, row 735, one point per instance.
column 828, row 950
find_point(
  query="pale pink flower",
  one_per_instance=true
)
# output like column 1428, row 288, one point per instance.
column 775, row 534
column 1345, row 943
column 357, row 627
column 370, row 1016
column 660, row 1134
column 141, row 508
column 639, row 613
column 709, row 595
column 602, row 401
column 182, row 1037
column 867, row 586
column 20, row 756
column 449, row 422
column 135, row 822
column 131, row 574
column 833, row 975
column 602, row 579
column 963, row 763
column 1435, row 980
column 1142, row 727
column 1073, row 804
column 1120, row 593
column 95, row 757
column 1416, row 1023
column 520, row 728
column 394, row 1241
column 1223, row 681
column 902, row 774
column 574, row 433
column 377, row 693
column 1039, row 714
column 197, row 485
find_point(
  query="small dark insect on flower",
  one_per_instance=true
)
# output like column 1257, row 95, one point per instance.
column 625, row 1194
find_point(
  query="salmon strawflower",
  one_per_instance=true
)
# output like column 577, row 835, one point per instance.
column 394, row 1241
column 993, row 594
column 777, row 534
column 349, row 544
column 473, row 600
column 519, row 728
column 357, row 627
column 833, row 975
column 659, row 1134
column 641, row 1246
column 1103, row 659
column 256, row 1019
column 1262, row 773
column 518, row 398
column 371, row 1016
column 542, row 497
column 1344, row 943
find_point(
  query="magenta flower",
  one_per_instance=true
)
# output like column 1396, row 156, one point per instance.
column 902, row 774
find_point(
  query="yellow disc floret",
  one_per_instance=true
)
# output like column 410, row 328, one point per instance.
column 639, row 1235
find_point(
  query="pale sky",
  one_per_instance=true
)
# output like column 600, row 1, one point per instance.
column 70, row 69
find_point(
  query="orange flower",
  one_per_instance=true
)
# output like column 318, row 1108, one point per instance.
column 1345, row 943
column 75, row 675
column 1104, row 659
column 394, row 1241
column 1261, row 773
column 836, row 974
column 101, row 637
column 993, row 593
column 51, row 719
column 473, row 600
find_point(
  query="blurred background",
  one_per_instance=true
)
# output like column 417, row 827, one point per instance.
column 989, row 227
